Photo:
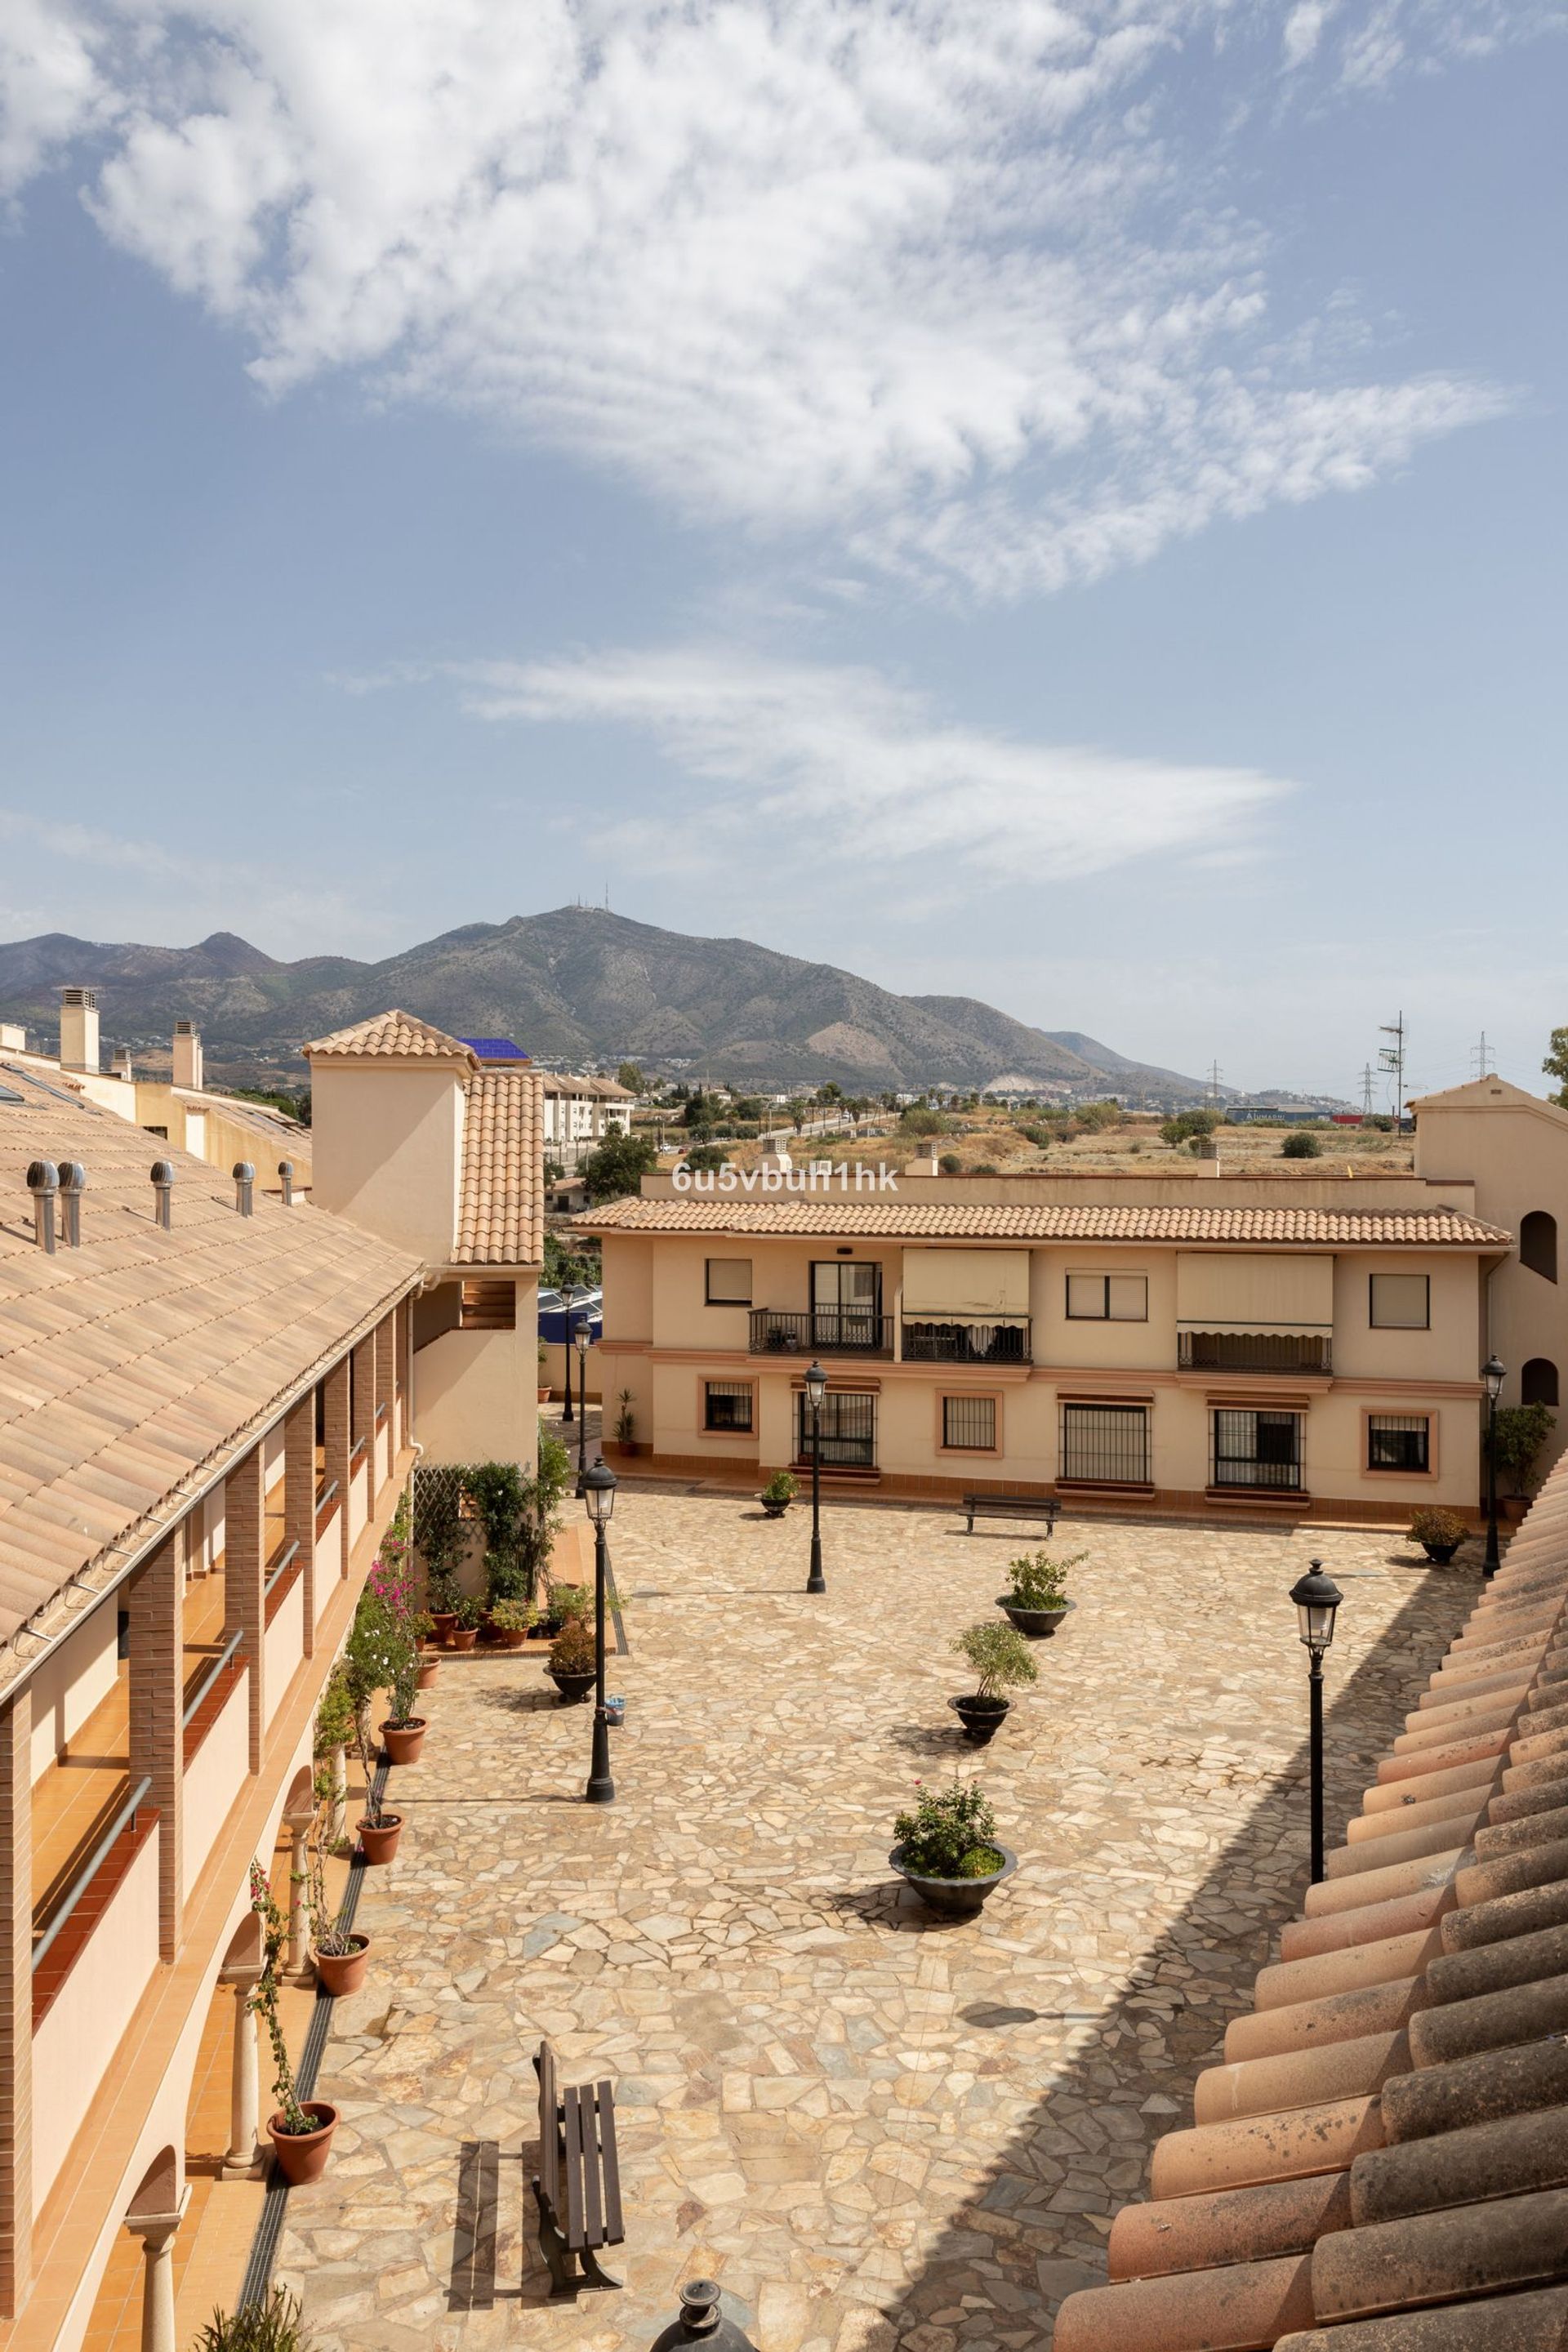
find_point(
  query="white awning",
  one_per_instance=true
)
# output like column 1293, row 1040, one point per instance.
column 1226, row 1290
column 947, row 1282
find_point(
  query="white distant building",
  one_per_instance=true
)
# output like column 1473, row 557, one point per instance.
column 579, row 1112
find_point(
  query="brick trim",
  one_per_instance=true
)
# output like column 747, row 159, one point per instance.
column 157, row 1610
column 16, row 2003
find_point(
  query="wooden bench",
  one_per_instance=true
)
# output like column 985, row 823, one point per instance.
column 1011, row 1506
column 578, row 2184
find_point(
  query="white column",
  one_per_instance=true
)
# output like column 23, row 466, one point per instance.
column 297, row 1826
column 156, row 2231
column 245, row 2096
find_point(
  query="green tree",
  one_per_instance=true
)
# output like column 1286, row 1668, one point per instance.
column 1094, row 1115
column 1188, row 1123
column 618, row 1166
column 707, row 1155
column 919, row 1121
column 1301, row 1144
column 630, row 1076
column 1556, row 1067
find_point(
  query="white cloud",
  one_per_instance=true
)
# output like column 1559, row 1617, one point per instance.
column 957, row 290
column 49, row 87
column 813, row 770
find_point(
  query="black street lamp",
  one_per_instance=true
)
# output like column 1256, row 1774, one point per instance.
column 599, row 1494
column 585, row 1338
column 1493, row 1375
column 566, row 1409
column 1317, row 1597
column 815, row 1391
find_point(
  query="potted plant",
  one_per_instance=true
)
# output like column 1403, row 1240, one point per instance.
column 422, row 1625
column 572, row 1661
column 301, row 2129
column 402, row 1731
column 275, row 2326
column 626, row 1424
column 1522, row 1431
column 464, row 1631
column 543, row 1374
column 334, row 1731
column 510, row 1622
column 779, row 1493
column 340, row 1955
column 366, row 1672
column 1439, row 1532
column 948, row 1849
column 1001, row 1658
column 1036, row 1600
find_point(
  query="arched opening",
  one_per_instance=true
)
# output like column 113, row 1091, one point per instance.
column 1537, row 1244
column 1538, row 1381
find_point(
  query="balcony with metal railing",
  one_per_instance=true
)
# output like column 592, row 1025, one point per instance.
column 992, row 1340
column 1285, row 1352
column 822, row 1331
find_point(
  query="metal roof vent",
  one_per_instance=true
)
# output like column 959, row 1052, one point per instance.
column 286, row 1170
column 244, row 1184
column 163, row 1188
column 44, row 1183
column 73, row 1184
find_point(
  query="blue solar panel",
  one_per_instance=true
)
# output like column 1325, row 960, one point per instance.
column 494, row 1049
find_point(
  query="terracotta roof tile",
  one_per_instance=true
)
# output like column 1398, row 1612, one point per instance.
column 400, row 1036
column 1029, row 1221
column 500, row 1205
column 1424, row 2208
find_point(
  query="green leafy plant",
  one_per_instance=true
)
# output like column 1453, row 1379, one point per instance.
column 782, row 1487
column 568, row 1602
column 1434, row 1525
column 1521, row 1430
column 625, row 1420
column 334, row 1714
column 1301, row 1144
column 276, row 2326
column 1188, row 1123
column 438, row 1534
column 263, row 2003
column 999, row 1656
column 1035, row 1580
column 513, row 1616
column 470, row 1614
column 573, row 1651
column 325, row 1933
column 950, row 1833
column 618, row 1166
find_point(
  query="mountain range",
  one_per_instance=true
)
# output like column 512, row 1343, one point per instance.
column 579, row 986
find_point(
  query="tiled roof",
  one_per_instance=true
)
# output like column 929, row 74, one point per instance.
column 500, row 1207
column 1026, row 1221
column 131, row 1366
column 587, row 1089
column 1380, row 2163
column 398, row 1035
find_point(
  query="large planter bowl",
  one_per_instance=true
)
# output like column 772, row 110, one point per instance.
column 573, row 1688
column 303, row 2156
column 378, row 1840
column 959, row 1898
column 982, row 1717
column 342, row 1972
column 1440, row 1555
column 775, row 1511
column 1040, row 1624
column 403, row 1741
column 462, row 1637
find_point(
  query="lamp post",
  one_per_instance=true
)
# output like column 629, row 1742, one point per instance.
column 599, row 1494
column 583, row 1338
column 1317, row 1597
column 816, row 1389
column 566, row 1407
column 1493, row 1375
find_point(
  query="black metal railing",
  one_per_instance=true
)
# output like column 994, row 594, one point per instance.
column 1254, row 1351
column 823, row 1331
column 1255, row 1450
column 995, row 1339
column 124, row 1819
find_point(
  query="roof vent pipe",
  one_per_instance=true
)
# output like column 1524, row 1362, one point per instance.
column 286, row 1170
column 163, row 1188
column 73, row 1184
column 243, row 1180
column 44, row 1183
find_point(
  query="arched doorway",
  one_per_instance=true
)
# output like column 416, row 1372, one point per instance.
column 1537, row 1244
column 1538, row 1381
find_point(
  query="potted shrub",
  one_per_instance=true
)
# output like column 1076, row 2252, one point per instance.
column 466, row 1620
column 366, row 1672
column 402, row 1731
column 1037, row 1600
column 509, row 1623
column 779, row 1493
column 948, row 1849
column 1000, row 1656
column 626, row 1424
column 334, row 1731
column 572, row 1661
column 1439, row 1532
column 422, row 1625
column 1522, row 1431
column 301, row 2129
column 340, row 1955
column 543, row 1374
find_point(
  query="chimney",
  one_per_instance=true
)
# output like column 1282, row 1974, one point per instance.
column 286, row 1172
column 79, row 1029
column 13, row 1037
column 188, row 1056
column 73, row 1184
column 44, row 1183
column 244, row 1181
column 121, row 1069
column 164, row 1189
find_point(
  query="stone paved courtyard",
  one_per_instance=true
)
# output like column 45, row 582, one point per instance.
column 870, row 2127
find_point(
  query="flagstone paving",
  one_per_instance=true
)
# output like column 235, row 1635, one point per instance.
column 870, row 2127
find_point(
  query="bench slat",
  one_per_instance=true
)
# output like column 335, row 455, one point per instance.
column 549, row 2128
column 571, row 2105
column 588, row 2120
column 614, row 2229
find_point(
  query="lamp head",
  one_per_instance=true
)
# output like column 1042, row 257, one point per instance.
column 1493, row 1374
column 584, row 1335
column 815, row 1386
column 1317, row 1597
column 599, row 1492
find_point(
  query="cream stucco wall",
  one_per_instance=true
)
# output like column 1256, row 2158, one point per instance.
column 475, row 1393
column 388, row 1149
column 71, row 1682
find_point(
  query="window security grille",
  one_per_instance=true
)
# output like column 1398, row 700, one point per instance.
column 1398, row 1440
column 1108, row 1444
column 970, row 1423
column 726, row 1405
column 1256, row 1449
column 848, row 1431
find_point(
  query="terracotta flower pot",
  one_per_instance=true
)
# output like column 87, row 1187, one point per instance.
column 403, row 1741
column 342, row 1972
column 544, row 1396
column 508, row 1637
column 462, row 1637
column 303, row 2156
column 442, row 1621
column 378, row 1840
column 428, row 1670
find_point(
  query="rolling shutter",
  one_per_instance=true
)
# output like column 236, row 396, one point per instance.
column 947, row 1282
column 1228, row 1291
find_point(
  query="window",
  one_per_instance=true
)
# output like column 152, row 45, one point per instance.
column 1400, row 1302
column 1398, row 1440
column 1106, row 1445
column 1537, row 1244
column 845, row 1303
column 1108, row 1299
column 728, row 1282
column 1256, row 1449
column 1538, row 1381
column 969, row 1425
column 848, row 1429
column 727, row 1405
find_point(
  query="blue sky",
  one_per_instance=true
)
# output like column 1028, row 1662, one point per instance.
column 1055, row 503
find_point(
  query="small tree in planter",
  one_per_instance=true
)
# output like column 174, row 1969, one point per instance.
column 301, row 2130
column 338, row 1955
column 510, row 1622
column 626, row 1423
column 1036, row 1598
column 1001, row 1658
column 1522, row 1431
column 948, row 1848
column 573, row 1660
column 779, row 1493
column 1439, row 1532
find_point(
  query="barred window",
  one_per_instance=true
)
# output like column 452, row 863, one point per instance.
column 1398, row 1440
column 1107, row 1443
column 728, row 1282
column 848, row 1433
column 1256, row 1449
column 1108, row 1299
column 1400, row 1302
column 727, row 1405
column 968, row 1423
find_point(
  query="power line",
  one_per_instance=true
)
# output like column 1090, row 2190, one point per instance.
column 1366, row 1085
column 1483, row 1059
column 1391, row 1059
column 1213, row 1086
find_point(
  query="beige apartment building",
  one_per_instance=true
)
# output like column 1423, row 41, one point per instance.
column 204, row 1423
column 1308, row 1345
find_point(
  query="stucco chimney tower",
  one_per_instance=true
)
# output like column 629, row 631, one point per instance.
column 79, row 1029
column 188, row 1056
